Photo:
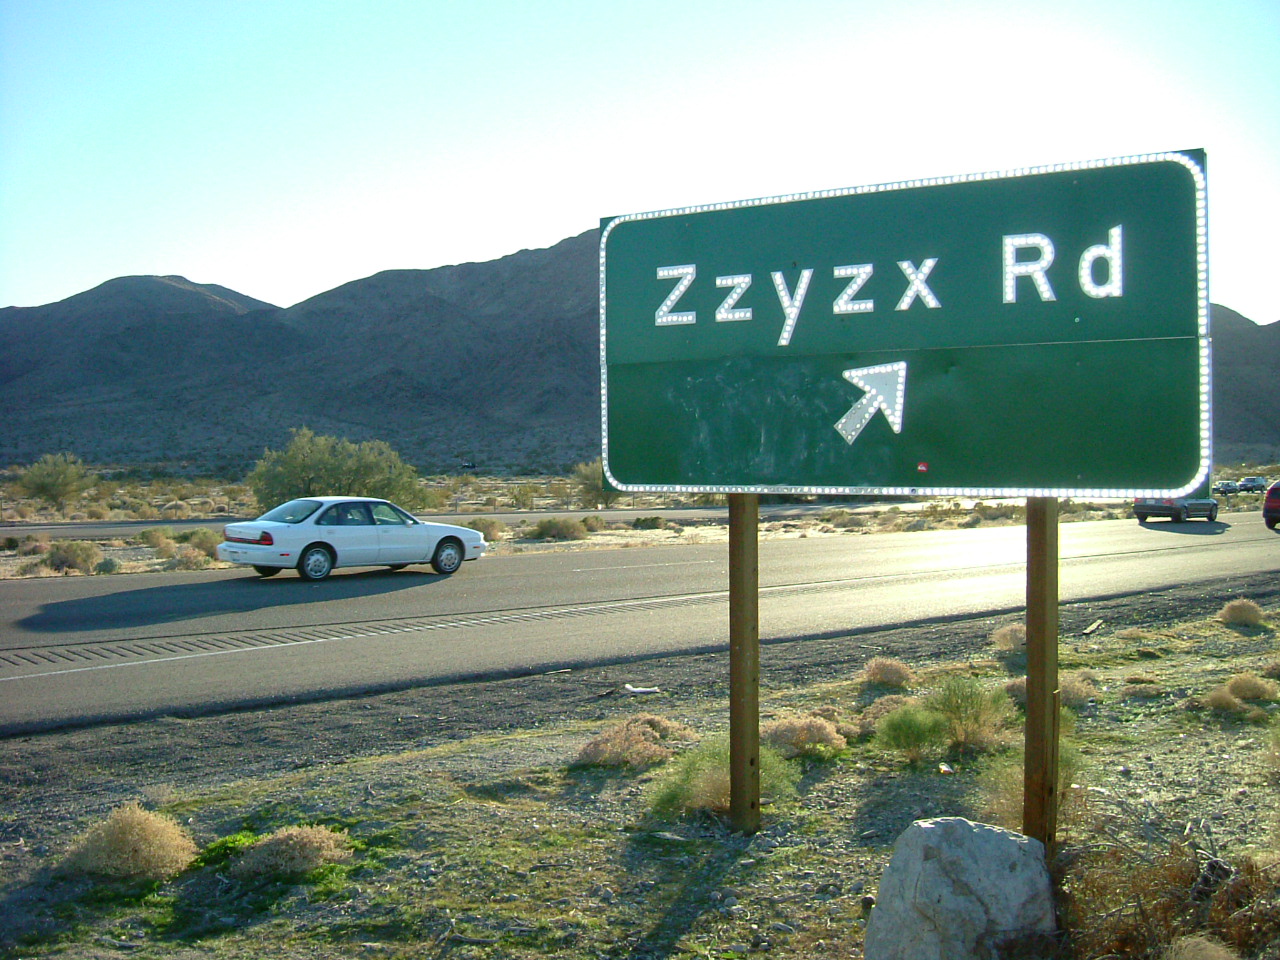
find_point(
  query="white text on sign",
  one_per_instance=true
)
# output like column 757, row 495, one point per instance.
column 1024, row 256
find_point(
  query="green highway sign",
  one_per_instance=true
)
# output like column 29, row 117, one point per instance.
column 1041, row 332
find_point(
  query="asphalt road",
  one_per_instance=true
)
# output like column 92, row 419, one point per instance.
column 76, row 650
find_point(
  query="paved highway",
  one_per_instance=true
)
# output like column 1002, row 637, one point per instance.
column 75, row 649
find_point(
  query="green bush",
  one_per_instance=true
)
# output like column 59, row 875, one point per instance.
column 911, row 730
column 698, row 780
column 593, row 522
column 559, row 528
column 107, row 565
column 56, row 478
column 977, row 716
column 73, row 555
column 314, row 465
column 649, row 523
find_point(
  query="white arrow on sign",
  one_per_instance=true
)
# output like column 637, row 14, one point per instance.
column 886, row 389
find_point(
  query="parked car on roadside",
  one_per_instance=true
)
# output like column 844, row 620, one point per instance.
column 1253, row 484
column 1226, row 486
column 314, row 535
column 1271, row 506
column 1176, row 509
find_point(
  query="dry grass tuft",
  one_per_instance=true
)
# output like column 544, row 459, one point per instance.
column 1241, row 613
column 1009, row 639
column 636, row 742
column 1222, row 700
column 1198, row 948
column 1074, row 689
column 135, row 844
column 292, row 852
column 1249, row 686
column 888, row 672
column 811, row 736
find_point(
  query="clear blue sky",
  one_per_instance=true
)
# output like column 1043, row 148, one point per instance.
column 281, row 147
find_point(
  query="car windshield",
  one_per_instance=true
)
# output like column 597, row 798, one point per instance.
column 295, row 511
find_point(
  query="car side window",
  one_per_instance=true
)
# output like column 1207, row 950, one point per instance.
column 329, row 518
column 354, row 515
column 384, row 513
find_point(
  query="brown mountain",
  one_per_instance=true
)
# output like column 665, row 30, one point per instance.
column 493, row 362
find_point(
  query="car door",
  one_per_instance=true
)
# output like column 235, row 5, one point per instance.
column 401, row 539
column 348, row 527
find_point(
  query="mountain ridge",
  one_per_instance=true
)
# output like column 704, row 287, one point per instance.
column 495, row 363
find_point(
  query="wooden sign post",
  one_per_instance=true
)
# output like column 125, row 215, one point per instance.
column 1040, row 772
column 744, row 662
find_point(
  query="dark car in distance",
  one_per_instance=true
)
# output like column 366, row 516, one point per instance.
column 1176, row 509
column 1253, row 484
column 1271, row 506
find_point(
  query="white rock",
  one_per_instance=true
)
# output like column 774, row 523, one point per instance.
column 957, row 889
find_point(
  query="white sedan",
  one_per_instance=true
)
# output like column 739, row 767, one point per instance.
column 316, row 534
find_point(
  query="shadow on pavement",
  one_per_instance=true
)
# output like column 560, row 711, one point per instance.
column 1198, row 528
column 190, row 601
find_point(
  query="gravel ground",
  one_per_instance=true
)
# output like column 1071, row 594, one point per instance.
column 473, row 778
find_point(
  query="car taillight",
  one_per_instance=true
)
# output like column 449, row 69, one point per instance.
column 263, row 539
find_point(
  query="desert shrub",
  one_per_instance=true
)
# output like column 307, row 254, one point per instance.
column 78, row 555
column 187, row 557
column 649, row 523
column 33, row 544
column 1116, row 900
column 809, row 736
column 1222, row 700
column 1009, row 639
column 154, row 536
column 559, row 528
column 107, row 565
column 135, row 844
column 635, row 742
column 1249, row 686
column 313, row 465
column 593, row 523
column 888, row 672
column 292, row 852
column 204, row 539
column 1241, row 613
column 11, row 543
column 490, row 528
column 176, row 510
column 911, row 730
column 698, row 780
column 56, row 478
column 592, row 487
column 977, row 716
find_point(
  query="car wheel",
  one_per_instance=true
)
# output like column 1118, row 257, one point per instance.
column 1213, row 514
column 1179, row 516
column 1271, row 524
column 448, row 556
column 316, row 563
column 1142, row 517
column 266, row 571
